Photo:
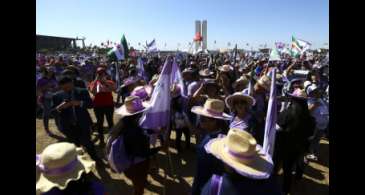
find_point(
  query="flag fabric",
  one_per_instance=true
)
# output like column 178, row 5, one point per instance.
column 140, row 69
column 151, row 47
column 274, row 55
column 299, row 46
column 116, row 53
column 117, row 77
column 271, row 116
column 124, row 46
column 119, row 52
column 158, row 115
column 176, row 78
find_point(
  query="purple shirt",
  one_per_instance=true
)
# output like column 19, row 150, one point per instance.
column 192, row 87
column 242, row 124
column 50, row 83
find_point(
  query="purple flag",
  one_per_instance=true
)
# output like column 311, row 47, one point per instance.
column 158, row 115
column 177, row 78
column 271, row 115
column 140, row 68
column 117, row 77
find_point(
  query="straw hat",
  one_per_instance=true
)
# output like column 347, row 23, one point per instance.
column 128, row 81
column 243, row 80
column 265, row 82
column 298, row 94
column 142, row 92
column 225, row 68
column 132, row 105
column 206, row 72
column 311, row 88
column 59, row 164
column 187, row 71
column 239, row 96
column 240, row 151
column 212, row 108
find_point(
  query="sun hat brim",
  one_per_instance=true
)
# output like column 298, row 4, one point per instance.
column 201, row 111
column 296, row 97
column 222, row 70
column 260, row 166
column 133, row 81
column 203, row 74
column 122, row 111
column 229, row 100
column 46, row 183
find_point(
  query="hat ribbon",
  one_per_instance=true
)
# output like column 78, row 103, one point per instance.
column 136, row 106
column 60, row 170
column 213, row 112
column 238, row 155
column 140, row 93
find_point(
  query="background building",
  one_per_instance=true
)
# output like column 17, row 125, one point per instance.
column 56, row 43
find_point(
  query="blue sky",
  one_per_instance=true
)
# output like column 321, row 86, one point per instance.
column 171, row 21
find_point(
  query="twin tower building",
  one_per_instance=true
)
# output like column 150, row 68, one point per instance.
column 200, row 35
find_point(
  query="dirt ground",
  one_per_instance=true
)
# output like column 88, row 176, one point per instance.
column 178, row 179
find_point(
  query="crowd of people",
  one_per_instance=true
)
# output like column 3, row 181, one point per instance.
column 223, row 104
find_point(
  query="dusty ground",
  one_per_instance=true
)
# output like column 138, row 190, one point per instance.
column 178, row 181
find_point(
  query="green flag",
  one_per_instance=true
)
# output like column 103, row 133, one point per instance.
column 124, row 46
column 119, row 52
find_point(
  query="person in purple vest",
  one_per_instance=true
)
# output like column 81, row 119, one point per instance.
column 247, row 168
column 211, row 125
column 64, row 169
column 128, row 146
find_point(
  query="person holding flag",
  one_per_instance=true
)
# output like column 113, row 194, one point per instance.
column 292, row 141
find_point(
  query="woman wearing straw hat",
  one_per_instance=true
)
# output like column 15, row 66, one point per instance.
column 226, row 78
column 240, row 105
column 240, row 84
column 126, row 88
column 211, row 124
column 292, row 142
column 260, row 89
column 128, row 146
column 247, row 168
column 143, row 92
column 63, row 169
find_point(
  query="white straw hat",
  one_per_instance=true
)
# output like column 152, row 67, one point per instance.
column 212, row 108
column 132, row 105
column 240, row 151
column 239, row 95
column 59, row 164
